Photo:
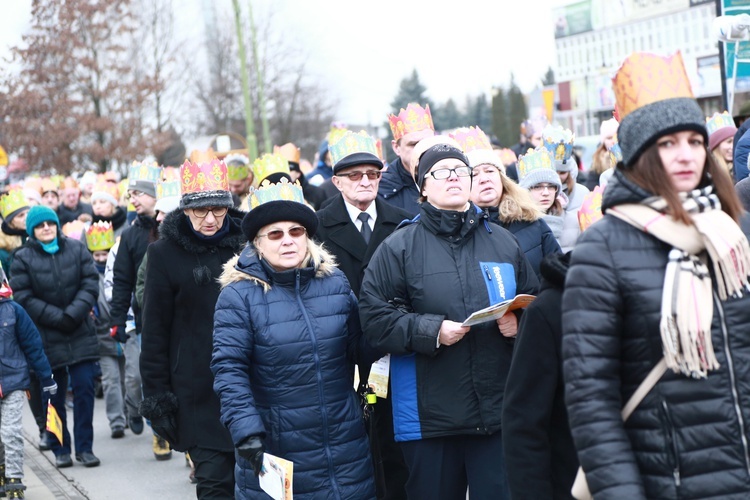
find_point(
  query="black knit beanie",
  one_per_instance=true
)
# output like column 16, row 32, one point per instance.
column 433, row 155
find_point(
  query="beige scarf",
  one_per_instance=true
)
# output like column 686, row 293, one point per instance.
column 687, row 299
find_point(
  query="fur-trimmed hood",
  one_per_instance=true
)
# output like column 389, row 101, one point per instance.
column 247, row 266
column 176, row 227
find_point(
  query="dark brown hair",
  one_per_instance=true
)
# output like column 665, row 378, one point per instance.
column 649, row 173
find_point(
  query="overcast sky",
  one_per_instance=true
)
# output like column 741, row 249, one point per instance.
column 462, row 48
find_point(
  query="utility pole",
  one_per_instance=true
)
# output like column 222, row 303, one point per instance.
column 259, row 77
column 252, row 142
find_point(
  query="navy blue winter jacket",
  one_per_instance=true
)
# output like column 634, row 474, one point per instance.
column 284, row 348
column 21, row 346
column 397, row 187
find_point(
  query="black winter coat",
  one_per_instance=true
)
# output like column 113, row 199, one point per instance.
column 398, row 188
column 67, row 215
column 540, row 457
column 444, row 266
column 342, row 238
column 535, row 238
column 48, row 286
column 689, row 437
column 133, row 244
column 178, row 318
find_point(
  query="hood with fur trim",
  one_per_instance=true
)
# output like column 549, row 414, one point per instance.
column 176, row 227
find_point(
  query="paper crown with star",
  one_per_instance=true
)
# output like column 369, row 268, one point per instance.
column 271, row 165
column 100, row 236
column 204, row 185
column 559, row 142
column 537, row 166
column 237, row 167
column 12, row 202
column 412, row 119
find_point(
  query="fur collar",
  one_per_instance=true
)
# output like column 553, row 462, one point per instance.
column 176, row 227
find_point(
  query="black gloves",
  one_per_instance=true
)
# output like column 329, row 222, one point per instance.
column 67, row 323
column 165, row 426
column 118, row 333
column 251, row 449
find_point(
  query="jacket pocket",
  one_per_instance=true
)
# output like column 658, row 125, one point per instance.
column 673, row 449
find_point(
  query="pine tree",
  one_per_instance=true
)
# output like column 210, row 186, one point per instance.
column 501, row 118
column 517, row 111
column 410, row 90
column 447, row 116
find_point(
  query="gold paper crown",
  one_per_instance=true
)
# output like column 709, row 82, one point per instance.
column 412, row 119
column 535, row 159
column 336, row 133
column 471, row 138
column 202, row 156
column 269, row 164
column 12, row 201
column 558, row 141
column 203, row 177
column 351, row 143
column 107, row 187
column 288, row 151
column 645, row 78
column 144, row 171
column 719, row 121
column 48, row 185
column 166, row 189
column 282, row 190
column 74, row 229
column 100, row 236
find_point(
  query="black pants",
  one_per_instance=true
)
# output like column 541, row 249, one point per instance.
column 35, row 402
column 394, row 466
column 214, row 473
column 442, row 468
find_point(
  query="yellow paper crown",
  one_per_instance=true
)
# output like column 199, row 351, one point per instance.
column 535, row 159
column 203, row 177
column 12, row 201
column 288, row 151
column 412, row 119
column 237, row 167
column 100, row 236
column 471, row 138
column 269, row 164
column 719, row 121
column 351, row 143
column 336, row 133
column 645, row 78
column 282, row 190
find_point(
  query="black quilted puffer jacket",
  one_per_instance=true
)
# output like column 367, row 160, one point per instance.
column 689, row 437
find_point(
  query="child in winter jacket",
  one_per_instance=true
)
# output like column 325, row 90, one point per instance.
column 20, row 348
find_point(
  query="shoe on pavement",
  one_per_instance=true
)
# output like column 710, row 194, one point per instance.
column 136, row 425
column 118, row 432
column 14, row 488
column 161, row 448
column 44, row 444
column 63, row 461
column 88, row 459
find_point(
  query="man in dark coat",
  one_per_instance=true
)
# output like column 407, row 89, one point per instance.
column 345, row 235
column 71, row 207
column 180, row 293
column 397, row 186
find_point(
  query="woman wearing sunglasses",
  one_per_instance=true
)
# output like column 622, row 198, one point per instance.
column 286, row 337
column 180, row 293
column 447, row 380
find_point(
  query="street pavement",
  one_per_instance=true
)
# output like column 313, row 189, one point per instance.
column 128, row 469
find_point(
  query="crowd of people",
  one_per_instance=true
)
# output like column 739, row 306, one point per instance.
column 228, row 306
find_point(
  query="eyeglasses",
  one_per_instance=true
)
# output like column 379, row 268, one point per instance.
column 277, row 234
column 544, row 187
column 45, row 224
column 357, row 176
column 202, row 213
column 135, row 194
column 443, row 173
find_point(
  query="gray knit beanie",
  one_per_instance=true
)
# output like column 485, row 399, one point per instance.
column 641, row 128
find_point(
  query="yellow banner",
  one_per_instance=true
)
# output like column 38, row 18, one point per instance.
column 3, row 157
column 548, row 95
column 54, row 424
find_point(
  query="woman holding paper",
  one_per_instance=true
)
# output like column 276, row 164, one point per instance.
column 286, row 337
column 663, row 276
column 447, row 380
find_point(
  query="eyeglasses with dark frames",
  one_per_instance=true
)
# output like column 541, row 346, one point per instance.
column 357, row 176
column 443, row 173
column 277, row 234
column 202, row 213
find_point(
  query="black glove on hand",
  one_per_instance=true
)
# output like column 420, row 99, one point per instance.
column 118, row 333
column 49, row 387
column 165, row 426
column 67, row 323
column 251, row 449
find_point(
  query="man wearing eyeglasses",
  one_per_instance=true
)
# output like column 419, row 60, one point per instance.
column 352, row 226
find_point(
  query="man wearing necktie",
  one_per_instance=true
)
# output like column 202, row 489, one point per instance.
column 351, row 227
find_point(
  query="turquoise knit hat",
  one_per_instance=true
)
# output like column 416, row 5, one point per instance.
column 38, row 214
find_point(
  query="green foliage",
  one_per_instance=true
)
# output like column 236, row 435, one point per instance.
column 410, row 90
column 508, row 112
column 447, row 116
column 549, row 77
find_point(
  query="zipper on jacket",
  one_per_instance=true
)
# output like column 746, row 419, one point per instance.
column 732, row 379
column 319, row 376
column 487, row 272
column 672, row 436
